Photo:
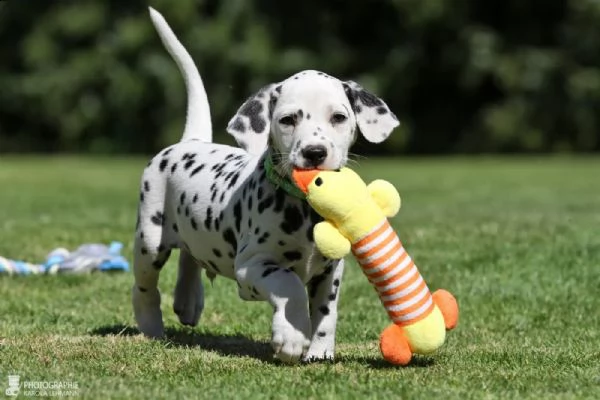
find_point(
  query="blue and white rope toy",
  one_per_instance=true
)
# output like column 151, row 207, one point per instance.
column 87, row 258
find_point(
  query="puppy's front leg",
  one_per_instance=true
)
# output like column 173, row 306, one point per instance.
column 285, row 292
column 324, row 293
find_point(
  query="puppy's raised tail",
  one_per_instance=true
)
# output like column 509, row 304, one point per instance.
column 198, row 124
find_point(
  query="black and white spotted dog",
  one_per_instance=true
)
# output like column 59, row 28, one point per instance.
column 218, row 205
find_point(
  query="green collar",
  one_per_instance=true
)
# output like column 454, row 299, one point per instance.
column 281, row 181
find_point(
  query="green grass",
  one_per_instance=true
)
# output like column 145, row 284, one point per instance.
column 516, row 240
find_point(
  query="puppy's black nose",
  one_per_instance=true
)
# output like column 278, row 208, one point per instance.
column 314, row 154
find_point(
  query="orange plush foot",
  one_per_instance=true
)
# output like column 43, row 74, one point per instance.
column 394, row 347
column 448, row 306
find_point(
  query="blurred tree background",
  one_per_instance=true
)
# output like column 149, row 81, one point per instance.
column 464, row 76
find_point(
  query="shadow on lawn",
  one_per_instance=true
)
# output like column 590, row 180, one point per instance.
column 377, row 362
column 242, row 346
column 226, row 345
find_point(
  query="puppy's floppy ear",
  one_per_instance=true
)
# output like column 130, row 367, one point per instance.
column 251, row 124
column 373, row 117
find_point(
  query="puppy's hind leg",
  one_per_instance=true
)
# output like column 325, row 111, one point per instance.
column 150, row 254
column 147, row 262
column 189, row 293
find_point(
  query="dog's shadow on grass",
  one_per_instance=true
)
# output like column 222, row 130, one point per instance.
column 377, row 362
column 226, row 345
column 242, row 346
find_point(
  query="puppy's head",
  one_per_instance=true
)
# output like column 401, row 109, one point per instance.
column 310, row 120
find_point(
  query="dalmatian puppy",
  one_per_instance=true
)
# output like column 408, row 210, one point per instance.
column 227, row 214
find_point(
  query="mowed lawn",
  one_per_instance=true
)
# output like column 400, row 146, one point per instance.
column 517, row 240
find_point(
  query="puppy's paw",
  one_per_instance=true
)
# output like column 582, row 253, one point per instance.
column 319, row 350
column 146, row 307
column 289, row 342
column 188, row 303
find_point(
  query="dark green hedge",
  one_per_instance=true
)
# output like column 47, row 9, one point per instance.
column 462, row 75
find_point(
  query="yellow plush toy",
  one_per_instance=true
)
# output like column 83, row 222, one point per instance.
column 356, row 220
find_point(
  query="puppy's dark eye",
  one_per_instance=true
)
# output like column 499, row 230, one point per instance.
column 318, row 181
column 338, row 118
column 289, row 120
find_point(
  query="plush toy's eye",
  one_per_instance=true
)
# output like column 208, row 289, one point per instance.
column 318, row 181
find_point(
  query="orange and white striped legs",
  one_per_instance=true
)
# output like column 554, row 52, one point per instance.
column 394, row 275
column 402, row 291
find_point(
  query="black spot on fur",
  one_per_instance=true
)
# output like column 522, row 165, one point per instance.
column 217, row 253
column 173, row 167
column 237, row 213
column 250, row 203
column 194, row 224
column 369, row 99
column 187, row 211
column 266, row 203
column 208, row 220
column 214, row 191
column 141, row 289
column 195, row 199
column 259, row 193
column 233, row 180
column 182, row 198
column 331, row 297
column 175, row 228
column 336, row 282
column 188, row 164
column 146, row 186
column 293, row 255
column 229, row 237
column 238, row 125
column 324, row 310
column 307, row 115
column 163, row 164
column 222, row 198
column 144, row 250
column 381, row 110
column 196, row 170
column 254, row 290
column 321, row 334
column 281, row 243
column 300, row 113
column 263, row 238
column 279, row 200
column 141, row 197
column 158, row 218
column 166, row 152
column 292, row 220
column 252, row 109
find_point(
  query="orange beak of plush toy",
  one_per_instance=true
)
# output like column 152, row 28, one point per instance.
column 303, row 177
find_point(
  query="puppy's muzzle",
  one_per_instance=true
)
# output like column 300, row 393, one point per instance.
column 314, row 155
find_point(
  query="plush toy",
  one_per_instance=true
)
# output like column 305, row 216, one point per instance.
column 86, row 258
column 356, row 220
